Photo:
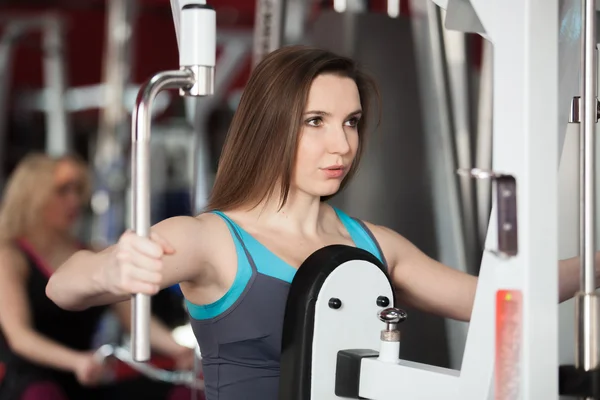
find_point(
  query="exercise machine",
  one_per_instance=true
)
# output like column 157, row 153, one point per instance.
column 52, row 49
column 339, row 345
column 184, row 378
column 195, row 27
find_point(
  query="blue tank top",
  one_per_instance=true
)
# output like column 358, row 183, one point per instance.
column 240, row 334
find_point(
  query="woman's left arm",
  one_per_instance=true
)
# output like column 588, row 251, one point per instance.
column 161, row 339
column 430, row 286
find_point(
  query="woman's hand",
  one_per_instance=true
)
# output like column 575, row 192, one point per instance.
column 137, row 264
column 184, row 358
column 88, row 370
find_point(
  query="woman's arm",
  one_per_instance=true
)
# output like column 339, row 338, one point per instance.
column 433, row 287
column 88, row 279
column 423, row 283
column 569, row 276
column 15, row 318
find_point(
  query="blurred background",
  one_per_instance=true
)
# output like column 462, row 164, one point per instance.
column 70, row 71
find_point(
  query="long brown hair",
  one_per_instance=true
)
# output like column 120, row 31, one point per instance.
column 260, row 148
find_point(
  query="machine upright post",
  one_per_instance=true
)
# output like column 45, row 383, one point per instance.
column 588, row 305
column 268, row 28
column 58, row 131
column 197, row 57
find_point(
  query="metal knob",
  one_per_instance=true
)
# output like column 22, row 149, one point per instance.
column 392, row 317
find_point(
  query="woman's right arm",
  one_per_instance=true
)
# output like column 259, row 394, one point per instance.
column 176, row 252
column 15, row 318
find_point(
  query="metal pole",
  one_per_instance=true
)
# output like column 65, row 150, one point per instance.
column 197, row 57
column 140, row 167
column 268, row 28
column 233, row 52
column 58, row 132
column 588, row 132
column 483, row 153
column 109, row 152
column 587, row 302
column 393, row 8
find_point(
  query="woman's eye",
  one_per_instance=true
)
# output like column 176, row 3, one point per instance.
column 353, row 122
column 314, row 121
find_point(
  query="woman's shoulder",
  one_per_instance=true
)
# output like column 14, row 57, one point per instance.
column 203, row 231
column 391, row 242
column 12, row 257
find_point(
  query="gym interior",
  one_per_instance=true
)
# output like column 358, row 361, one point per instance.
column 483, row 158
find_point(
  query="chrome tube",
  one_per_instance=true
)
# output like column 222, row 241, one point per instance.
column 109, row 152
column 268, row 28
column 186, row 378
column 140, row 184
column 588, row 304
column 58, row 130
column 588, row 132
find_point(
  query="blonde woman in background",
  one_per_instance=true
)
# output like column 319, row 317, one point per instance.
column 45, row 350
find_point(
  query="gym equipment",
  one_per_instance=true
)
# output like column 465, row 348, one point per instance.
column 195, row 25
column 52, row 26
column 109, row 150
column 511, row 351
column 268, row 28
column 324, row 315
column 583, row 378
column 186, row 378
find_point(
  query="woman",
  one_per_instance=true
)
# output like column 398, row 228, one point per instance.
column 295, row 141
column 47, row 351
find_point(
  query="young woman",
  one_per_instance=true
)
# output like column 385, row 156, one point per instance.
column 295, row 141
column 46, row 350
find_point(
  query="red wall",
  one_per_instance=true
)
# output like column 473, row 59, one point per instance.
column 155, row 47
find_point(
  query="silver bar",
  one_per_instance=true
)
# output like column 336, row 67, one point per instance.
column 109, row 153
column 58, row 132
column 234, row 50
column 185, row 378
column 454, row 44
column 587, row 330
column 393, row 8
column 295, row 22
column 588, row 334
column 588, row 132
column 483, row 152
column 268, row 28
column 140, row 182
column 355, row 6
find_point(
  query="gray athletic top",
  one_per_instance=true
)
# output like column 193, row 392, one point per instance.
column 240, row 334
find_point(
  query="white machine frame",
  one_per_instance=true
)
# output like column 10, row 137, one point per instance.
column 525, row 145
column 524, row 353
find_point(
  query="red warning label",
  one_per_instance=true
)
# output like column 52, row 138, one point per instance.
column 509, row 327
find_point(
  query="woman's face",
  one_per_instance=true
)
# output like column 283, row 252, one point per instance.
column 66, row 200
column 329, row 136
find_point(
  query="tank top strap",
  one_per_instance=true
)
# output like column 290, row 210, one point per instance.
column 361, row 235
column 35, row 261
column 237, row 237
column 246, row 270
